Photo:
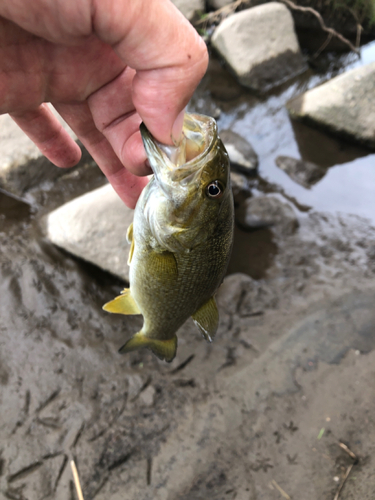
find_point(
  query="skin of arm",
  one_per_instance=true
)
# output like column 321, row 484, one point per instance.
column 105, row 66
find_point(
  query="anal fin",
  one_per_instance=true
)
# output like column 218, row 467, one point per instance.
column 207, row 319
column 123, row 304
column 163, row 349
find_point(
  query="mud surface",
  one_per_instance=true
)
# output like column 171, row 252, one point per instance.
column 258, row 414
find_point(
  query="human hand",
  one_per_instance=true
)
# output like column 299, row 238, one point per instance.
column 105, row 65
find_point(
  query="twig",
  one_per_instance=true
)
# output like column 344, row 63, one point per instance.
column 349, row 452
column 343, row 482
column 323, row 46
column 280, row 490
column 358, row 24
column 348, row 470
column 76, row 480
column 315, row 13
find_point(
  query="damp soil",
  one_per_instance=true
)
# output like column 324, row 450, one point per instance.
column 258, row 414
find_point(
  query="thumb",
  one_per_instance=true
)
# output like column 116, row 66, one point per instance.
column 169, row 58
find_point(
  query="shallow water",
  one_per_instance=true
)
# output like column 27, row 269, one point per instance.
column 349, row 183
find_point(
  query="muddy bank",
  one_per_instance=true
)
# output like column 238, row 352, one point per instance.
column 219, row 413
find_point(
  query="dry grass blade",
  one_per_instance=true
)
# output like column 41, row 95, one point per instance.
column 280, row 490
column 343, row 482
column 76, row 480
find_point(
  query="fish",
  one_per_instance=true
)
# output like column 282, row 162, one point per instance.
column 180, row 239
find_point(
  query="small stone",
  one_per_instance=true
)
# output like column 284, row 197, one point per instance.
column 147, row 396
column 241, row 153
column 93, row 227
column 265, row 211
column 304, row 173
column 135, row 384
column 260, row 46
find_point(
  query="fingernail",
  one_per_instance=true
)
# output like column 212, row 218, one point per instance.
column 177, row 128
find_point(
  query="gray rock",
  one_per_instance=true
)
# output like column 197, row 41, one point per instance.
column 240, row 188
column 93, row 227
column 22, row 165
column 264, row 211
column 344, row 106
column 302, row 172
column 147, row 397
column 190, row 8
column 241, row 153
column 260, row 46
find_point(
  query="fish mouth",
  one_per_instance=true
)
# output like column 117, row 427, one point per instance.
column 180, row 165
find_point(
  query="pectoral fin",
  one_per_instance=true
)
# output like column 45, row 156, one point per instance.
column 163, row 349
column 129, row 237
column 123, row 304
column 163, row 265
column 207, row 319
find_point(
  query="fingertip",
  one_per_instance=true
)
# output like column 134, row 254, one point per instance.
column 63, row 155
column 50, row 137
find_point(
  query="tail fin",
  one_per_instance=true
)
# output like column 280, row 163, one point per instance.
column 163, row 349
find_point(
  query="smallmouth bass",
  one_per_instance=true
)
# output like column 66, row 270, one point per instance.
column 181, row 238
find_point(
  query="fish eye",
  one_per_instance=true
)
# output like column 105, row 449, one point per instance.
column 214, row 190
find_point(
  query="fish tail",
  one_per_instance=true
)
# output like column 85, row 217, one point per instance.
column 163, row 349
